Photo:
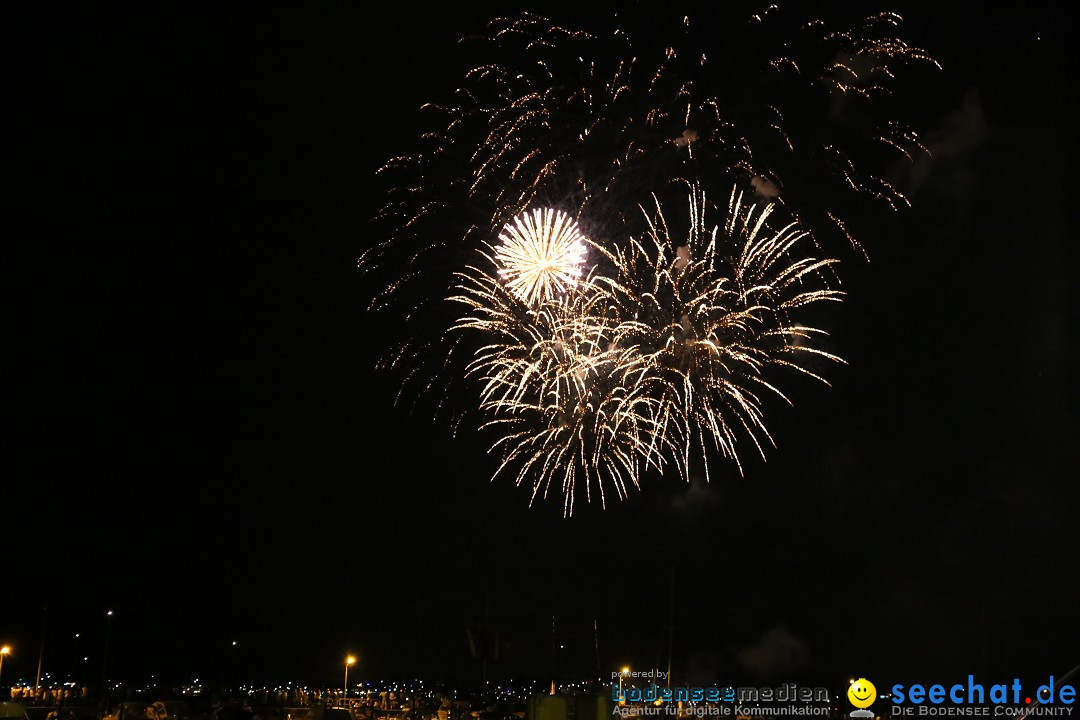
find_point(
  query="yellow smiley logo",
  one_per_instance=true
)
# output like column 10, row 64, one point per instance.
column 862, row 693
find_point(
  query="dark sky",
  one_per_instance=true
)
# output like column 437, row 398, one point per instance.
column 201, row 444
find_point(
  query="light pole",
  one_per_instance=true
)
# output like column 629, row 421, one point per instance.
column 4, row 652
column 228, row 668
column 75, row 655
column 105, row 662
column 350, row 660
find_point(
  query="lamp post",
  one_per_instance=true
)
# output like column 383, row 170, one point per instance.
column 350, row 660
column 105, row 662
column 4, row 652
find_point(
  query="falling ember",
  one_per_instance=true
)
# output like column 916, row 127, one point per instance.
column 540, row 255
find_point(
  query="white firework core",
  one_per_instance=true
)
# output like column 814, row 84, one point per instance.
column 540, row 255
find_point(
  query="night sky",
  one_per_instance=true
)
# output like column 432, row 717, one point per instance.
column 201, row 443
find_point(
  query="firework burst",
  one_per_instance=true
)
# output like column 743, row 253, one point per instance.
column 653, row 344
column 654, row 366
column 574, row 410
column 721, row 311
column 540, row 255
column 596, row 116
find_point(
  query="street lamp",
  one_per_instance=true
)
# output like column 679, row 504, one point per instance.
column 4, row 652
column 105, row 663
column 350, row 660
